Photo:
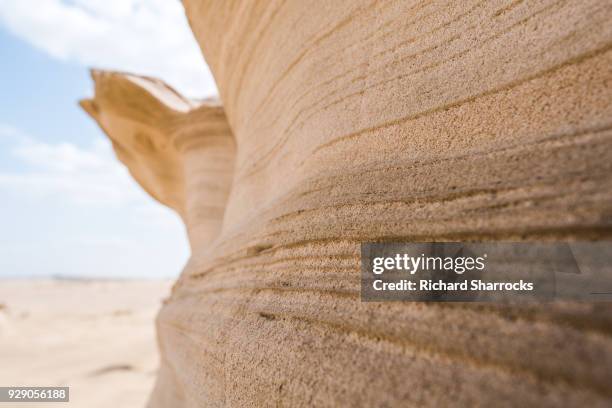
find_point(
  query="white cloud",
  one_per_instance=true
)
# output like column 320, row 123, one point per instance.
column 69, row 173
column 10, row 134
column 149, row 37
column 80, row 213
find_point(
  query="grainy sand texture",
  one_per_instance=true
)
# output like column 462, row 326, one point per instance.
column 345, row 122
column 97, row 337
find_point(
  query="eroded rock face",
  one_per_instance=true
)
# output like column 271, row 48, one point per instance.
column 375, row 121
column 181, row 152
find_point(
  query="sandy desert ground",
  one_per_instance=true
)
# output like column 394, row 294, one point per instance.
column 97, row 337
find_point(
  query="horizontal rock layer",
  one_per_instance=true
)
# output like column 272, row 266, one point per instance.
column 358, row 121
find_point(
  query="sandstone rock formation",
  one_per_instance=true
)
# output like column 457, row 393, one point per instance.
column 357, row 121
column 180, row 151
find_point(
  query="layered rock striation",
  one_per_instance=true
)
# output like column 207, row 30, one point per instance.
column 352, row 121
column 181, row 152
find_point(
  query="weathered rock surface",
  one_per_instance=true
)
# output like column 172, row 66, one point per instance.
column 180, row 151
column 361, row 121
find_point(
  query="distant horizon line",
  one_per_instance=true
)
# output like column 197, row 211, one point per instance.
column 77, row 278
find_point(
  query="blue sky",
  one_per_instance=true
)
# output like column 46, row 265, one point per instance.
column 68, row 207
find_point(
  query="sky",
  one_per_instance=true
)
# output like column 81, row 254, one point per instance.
column 68, row 207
